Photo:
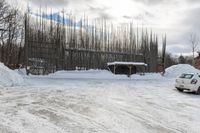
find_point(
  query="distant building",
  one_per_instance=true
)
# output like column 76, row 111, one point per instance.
column 197, row 61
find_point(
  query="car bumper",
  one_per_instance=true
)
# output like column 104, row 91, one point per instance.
column 191, row 87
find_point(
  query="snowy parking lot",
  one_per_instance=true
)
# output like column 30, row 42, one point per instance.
column 97, row 101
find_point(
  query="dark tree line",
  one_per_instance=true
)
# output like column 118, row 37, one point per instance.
column 54, row 44
column 11, row 35
column 87, row 44
column 185, row 59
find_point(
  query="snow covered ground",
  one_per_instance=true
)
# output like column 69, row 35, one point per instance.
column 97, row 101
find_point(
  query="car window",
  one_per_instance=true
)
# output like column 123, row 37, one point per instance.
column 186, row 76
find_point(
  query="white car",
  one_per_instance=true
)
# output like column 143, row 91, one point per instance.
column 189, row 82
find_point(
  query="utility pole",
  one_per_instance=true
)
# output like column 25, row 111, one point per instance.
column 163, row 53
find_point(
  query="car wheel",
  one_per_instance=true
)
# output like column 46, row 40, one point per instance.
column 198, row 91
column 180, row 90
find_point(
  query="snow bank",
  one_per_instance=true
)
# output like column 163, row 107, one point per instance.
column 177, row 70
column 21, row 71
column 99, row 74
column 127, row 63
column 9, row 77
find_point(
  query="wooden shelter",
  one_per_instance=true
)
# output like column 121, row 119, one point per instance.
column 127, row 68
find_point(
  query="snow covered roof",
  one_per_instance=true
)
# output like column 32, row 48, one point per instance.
column 127, row 63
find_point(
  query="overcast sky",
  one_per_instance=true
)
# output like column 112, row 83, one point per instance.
column 176, row 18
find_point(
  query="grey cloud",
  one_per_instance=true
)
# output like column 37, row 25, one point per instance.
column 152, row 2
column 192, row 20
column 127, row 17
column 193, row 1
column 105, row 15
column 159, row 2
column 56, row 3
column 177, row 42
column 97, row 9
column 179, row 48
column 148, row 14
column 53, row 3
column 143, row 16
column 101, row 12
column 139, row 17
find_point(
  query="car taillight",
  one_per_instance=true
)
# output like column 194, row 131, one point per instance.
column 194, row 81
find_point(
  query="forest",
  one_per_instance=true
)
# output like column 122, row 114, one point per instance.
column 56, row 41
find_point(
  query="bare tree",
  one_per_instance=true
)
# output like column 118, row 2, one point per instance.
column 88, row 45
column 194, row 42
column 11, row 33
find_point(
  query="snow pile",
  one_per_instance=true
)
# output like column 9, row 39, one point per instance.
column 127, row 63
column 99, row 74
column 9, row 77
column 177, row 70
column 21, row 71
